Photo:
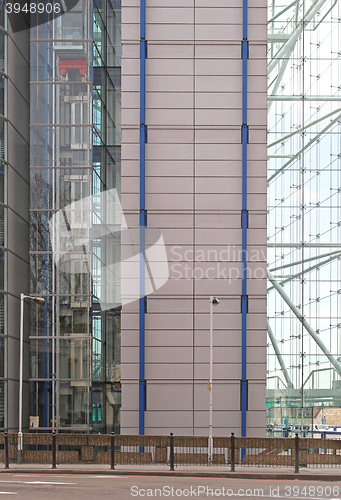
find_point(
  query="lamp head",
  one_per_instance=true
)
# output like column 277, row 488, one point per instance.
column 215, row 301
column 39, row 300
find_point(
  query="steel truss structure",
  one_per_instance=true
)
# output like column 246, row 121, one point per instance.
column 304, row 204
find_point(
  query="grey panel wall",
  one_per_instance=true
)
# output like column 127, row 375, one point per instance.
column 17, row 241
column 193, row 186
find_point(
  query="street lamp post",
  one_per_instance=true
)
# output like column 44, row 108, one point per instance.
column 213, row 302
column 38, row 300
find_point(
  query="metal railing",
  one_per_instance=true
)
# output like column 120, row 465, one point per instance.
column 172, row 451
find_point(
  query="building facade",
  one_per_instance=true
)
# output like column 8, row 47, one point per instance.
column 75, row 156
column 194, row 167
column 14, row 210
column 192, row 186
column 304, row 198
column 122, row 342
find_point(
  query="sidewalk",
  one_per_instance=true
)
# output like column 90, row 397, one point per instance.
column 278, row 473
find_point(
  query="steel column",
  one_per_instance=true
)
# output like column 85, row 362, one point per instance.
column 279, row 356
column 308, row 270
column 293, row 38
column 305, row 323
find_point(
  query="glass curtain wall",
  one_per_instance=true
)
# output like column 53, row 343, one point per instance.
column 304, row 212
column 75, row 158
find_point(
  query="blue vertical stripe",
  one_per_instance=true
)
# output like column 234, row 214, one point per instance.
column 244, row 223
column 143, row 215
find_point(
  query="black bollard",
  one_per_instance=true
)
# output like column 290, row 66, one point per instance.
column 6, row 450
column 54, row 450
column 171, row 452
column 233, row 464
column 112, row 451
column 297, row 455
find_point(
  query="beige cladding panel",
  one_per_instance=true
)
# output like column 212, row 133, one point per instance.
column 166, row 397
column 224, row 397
column 225, row 422
column 178, row 421
column 193, row 195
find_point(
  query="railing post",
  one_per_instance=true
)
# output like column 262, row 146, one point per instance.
column 297, row 455
column 171, row 452
column 233, row 464
column 54, row 450
column 112, row 451
column 6, row 450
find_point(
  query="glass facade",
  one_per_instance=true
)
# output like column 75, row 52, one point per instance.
column 304, row 209
column 75, row 158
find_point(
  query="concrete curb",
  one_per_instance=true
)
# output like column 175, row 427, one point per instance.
column 225, row 475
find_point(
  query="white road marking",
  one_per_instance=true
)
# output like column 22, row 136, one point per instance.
column 8, row 493
column 10, row 481
column 40, row 475
column 110, row 477
column 34, row 482
column 45, row 482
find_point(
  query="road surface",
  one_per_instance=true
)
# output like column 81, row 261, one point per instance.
column 94, row 487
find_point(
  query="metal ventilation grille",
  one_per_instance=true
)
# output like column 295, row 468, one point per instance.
column 2, row 233
column 2, row 317
column 2, row 149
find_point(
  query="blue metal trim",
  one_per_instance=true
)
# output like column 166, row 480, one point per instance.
column 143, row 19
column 143, row 215
column 244, row 222
column 245, row 19
column 245, row 51
column 142, row 392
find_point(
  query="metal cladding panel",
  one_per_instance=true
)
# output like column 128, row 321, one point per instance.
column 193, row 195
column 14, row 232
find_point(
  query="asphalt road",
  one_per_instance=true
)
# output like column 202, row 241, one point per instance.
column 88, row 487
